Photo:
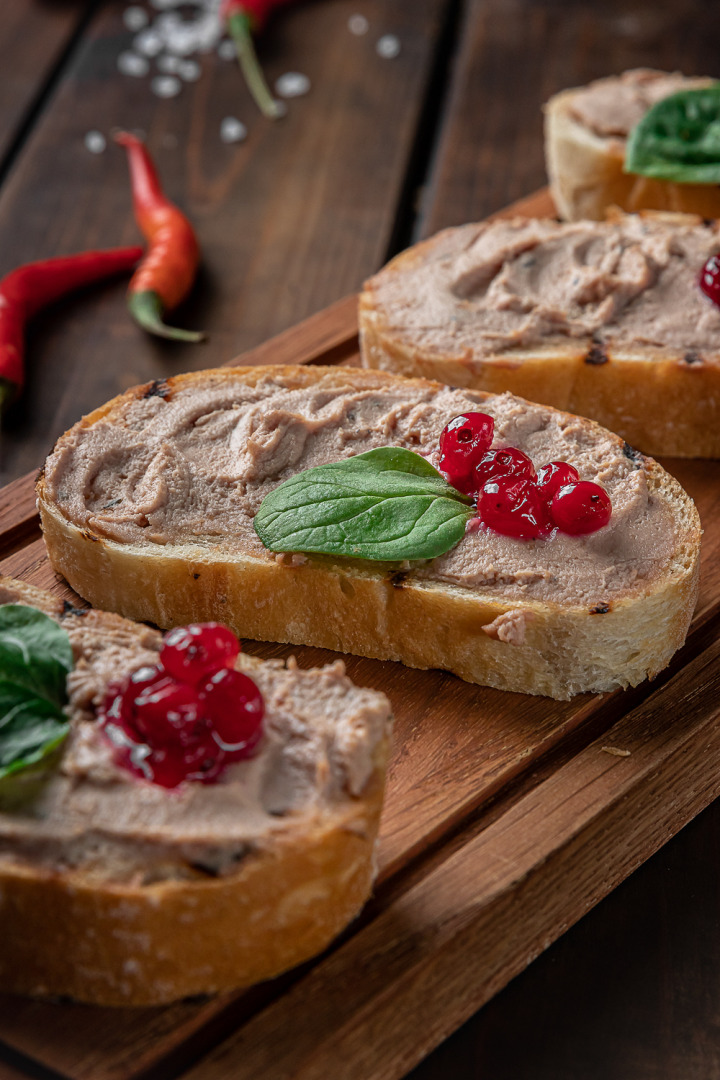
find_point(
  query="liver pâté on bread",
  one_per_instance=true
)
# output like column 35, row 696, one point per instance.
column 117, row 891
column 605, row 320
column 147, row 508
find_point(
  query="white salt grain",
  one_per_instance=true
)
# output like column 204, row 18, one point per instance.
column 135, row 18
column 358, row 25
column 232, row 130
column 169, row 141
column 227, row 50
column 388, row 47
column 166, row 86
column 168, row 65
column 95, row 142
column 189, row 70
column 148, row 42
column 292, row 84
column 129, row 63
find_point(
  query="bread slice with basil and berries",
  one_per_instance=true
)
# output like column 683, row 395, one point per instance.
column 143, row 857
column 155, row 504
column 604, row 319
column 587, row 129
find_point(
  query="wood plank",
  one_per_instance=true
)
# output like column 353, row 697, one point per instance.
column 394, row 991
column 513, row 57
column 34, row 37
column 290, row 220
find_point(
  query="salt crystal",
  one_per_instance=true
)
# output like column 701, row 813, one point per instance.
column 148, row 42
column 166, row 86
column 163, row 5
column 189, row 70
column 129, row 63
column 388, row 47
column 292, row 84
column 135, row 18
column 232, row 130
column 95, row 142
column 168, row 65
column 227, row 50
column 169, row 141
column 358, row 25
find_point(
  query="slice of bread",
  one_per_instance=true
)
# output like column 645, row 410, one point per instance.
column 585, row 166
column 637, row 349
column 147, row 509
column 116, row 891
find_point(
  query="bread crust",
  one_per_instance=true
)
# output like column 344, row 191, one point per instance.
column 354, row 607
column 586, row 173
column 665, row 403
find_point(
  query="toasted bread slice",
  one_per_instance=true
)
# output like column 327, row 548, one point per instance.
column 636, row 350
column 116, row 891
column 553, row 617
column 585, row 166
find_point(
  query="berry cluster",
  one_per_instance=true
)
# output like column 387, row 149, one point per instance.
column 189, row 715
column 709, row 280
column 511, row 497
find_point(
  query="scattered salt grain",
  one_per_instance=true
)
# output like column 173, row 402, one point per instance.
column 189, row 70
column 227, row 50
column 388, row 47
column 232, row 130
column 166, row 86
column 168, row 65
column 169, row 141
column 358, row 25
column 292, row 84
column 95, row 142
column 135, row 18
column 129, row 63
column 148, row 42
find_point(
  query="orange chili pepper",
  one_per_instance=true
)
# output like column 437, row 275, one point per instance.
column 166, row 274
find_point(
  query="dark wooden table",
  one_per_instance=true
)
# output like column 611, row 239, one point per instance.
column 382, row 151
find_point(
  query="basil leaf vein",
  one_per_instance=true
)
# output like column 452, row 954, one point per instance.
column 678, row 139
column 35, row 659
column 388, row 504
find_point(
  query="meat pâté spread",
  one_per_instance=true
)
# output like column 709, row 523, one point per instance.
column 478, row 290
column 192, row 466
column 611, row 107
column 80, row 810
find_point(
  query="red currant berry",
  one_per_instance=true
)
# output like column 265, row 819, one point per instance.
column 551, row 477
column 462, row 443
column 171, row 765
column 191, row 653
column 166, row 712
column 505, row 462
column 580, row 508
column 512, row 506
column 235, row 708
column 709, row 280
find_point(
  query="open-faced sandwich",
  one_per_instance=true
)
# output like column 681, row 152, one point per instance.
column 175, row 818
column 618, row 321
column 305, row 505
column 642, row 140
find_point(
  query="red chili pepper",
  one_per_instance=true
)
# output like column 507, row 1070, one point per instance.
column 243, row 18
column 167, row 272
column 23, row 292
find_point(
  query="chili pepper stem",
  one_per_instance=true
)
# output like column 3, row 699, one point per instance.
column 239, row 26
column 147, row 309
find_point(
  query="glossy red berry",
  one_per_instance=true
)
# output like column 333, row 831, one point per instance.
column 505, row 462
column 551, row 477
column 710, row 279
column 512, row 506
column 580, row 508
column 235, row 708
column 462, row 443
column 191, row 653
column 167, row 712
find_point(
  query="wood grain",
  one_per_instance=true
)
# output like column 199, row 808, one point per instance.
column 289, row 221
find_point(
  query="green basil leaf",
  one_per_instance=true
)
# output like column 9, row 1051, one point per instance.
column 35, row 658
column 388, row 504
column 679, row 138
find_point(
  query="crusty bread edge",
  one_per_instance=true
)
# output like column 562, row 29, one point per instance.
column 373, row 612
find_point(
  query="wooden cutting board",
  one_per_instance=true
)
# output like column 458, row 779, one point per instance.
column 507, row 818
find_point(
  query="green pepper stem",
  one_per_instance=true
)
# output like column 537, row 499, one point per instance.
column 239, row 26
column 147, row 309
